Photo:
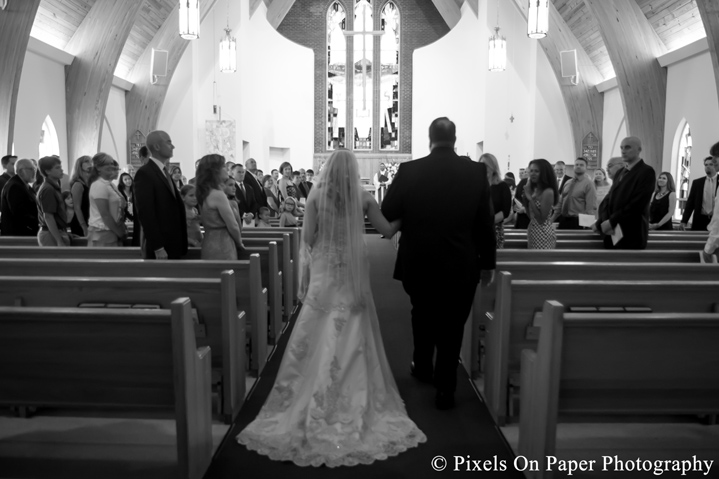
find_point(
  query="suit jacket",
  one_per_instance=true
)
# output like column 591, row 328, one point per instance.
column 251, row 182
column 627, row 205
column 305, row 188
column 247, row 202
column 464, row 241
column 563, row 182
column 162, row 214
column 19, row 209
column 695, row 198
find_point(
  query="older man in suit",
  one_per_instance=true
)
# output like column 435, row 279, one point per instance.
column 700, row 202
column 440, row 266
column 244, row 195
column 159, row 205
column 18, row 202
column 252, row 181
column 627, row 203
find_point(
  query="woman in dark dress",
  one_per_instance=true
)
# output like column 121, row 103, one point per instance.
column 520, row 202
column 664, row 203
column 501, row 196
column 81, row 195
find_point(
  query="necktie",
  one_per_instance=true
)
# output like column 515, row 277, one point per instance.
column 169, row 179
column 242, row 189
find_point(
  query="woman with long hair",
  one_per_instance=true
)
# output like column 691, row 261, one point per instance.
column 663, row 203
column 176, row 174
column 273, row 201
column 125, row 187
column 500, row 194
column 222, row 231
column 334, row 401
column 106, row 224
column 541, row 195
column 80, row 189
column 285, row 185
column 601, row 184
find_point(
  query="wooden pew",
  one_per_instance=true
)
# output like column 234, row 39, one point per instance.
column 511, row 328
column 214, row 300
column 112, row 359
column 593, row 243
column 599, row 255
column 588, row 234
column 271, row 259
column 288, row 294
column 577, row 270
column 658, row 363
column 295, row 238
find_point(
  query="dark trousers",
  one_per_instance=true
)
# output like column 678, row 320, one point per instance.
column 700, row 222
column 521, row 222
column 569, row 223
column 439, row 311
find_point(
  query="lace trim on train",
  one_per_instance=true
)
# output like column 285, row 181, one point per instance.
column 333, row 446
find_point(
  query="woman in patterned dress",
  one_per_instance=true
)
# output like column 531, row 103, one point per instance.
column 542, row 194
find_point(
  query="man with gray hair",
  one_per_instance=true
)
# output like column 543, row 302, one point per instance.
column 627, row 204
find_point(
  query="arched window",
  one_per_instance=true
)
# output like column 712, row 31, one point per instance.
column 48, row 139
column 373, row 40
column 336, row 76
column 389, row 78
column 683, row 161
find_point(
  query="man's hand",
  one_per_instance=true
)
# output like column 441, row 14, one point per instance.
column 682, row 226
column 707, row 258
column 160, row 253
column 486, row 277
column 607, row 228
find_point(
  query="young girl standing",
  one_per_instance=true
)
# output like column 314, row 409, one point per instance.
column 189, row 197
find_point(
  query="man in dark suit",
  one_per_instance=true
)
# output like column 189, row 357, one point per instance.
column 251, row 181
column 440, row 265
column 244, row 196
column 627, row 203
column 700, row 202
column 559, row 169
column 8, row 164
column 303, row 185
column 159, row 205
column 18, row 204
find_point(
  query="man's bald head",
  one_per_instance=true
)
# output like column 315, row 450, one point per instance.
column 631, row 148
column 442, row 132
column 160, row 145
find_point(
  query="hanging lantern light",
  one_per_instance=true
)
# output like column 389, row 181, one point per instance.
column 497, row 52
column 228, row 53
column 190, row 19
column 538, row 19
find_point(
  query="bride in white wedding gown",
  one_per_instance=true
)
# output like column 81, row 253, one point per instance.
column 335, row 401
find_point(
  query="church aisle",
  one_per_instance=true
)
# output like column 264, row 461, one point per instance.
column 464, row 431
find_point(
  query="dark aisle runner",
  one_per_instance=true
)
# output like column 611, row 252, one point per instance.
column 467, row 430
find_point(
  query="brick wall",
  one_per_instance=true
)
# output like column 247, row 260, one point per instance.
column 420, row 25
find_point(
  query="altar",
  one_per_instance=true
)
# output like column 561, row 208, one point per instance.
column 368, row 161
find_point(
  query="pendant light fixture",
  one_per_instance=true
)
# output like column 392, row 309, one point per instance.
column 228, row 48
column 497, row 49
column 538, row 19
column 190, row 19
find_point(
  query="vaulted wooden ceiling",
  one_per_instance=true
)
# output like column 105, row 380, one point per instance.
column 676, row 22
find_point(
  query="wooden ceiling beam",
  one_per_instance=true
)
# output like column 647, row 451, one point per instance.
column 633, row 47
column 709, row 11
column 15, row 25
column 277, row 10
column 96, row 45
column 144, row 102
column 449, row 11
column 585, row 105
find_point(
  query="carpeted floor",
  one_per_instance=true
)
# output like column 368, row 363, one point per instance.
column 466, row 431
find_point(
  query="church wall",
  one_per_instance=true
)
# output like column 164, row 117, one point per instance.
column 41, row 93
column 421, row 24
column 691, row 96
column 113, row 139
column 614, row 128
column 448, row 81
column 518, row 114
column 267, row 96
